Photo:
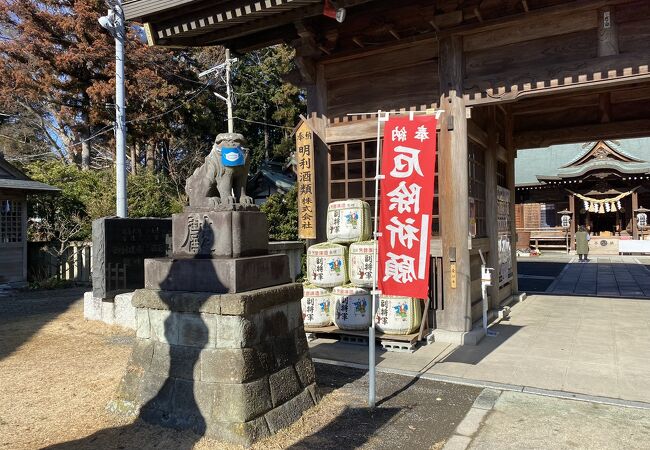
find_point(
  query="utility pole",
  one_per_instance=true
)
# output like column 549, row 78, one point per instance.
column 114, row 24
column 231, row 122
column 228, row 98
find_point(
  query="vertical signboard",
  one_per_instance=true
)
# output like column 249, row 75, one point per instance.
column 406, row 202
column 505, row 235
column 305, row 163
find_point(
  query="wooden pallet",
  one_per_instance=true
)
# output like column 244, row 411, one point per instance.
column 333, row 331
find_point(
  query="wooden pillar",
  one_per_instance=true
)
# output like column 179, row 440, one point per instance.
column 317, row 115
column 635, row 206
column 454, row 189
column 574, row 221
column 23, row 221
column 491, row 205
column 510, row 181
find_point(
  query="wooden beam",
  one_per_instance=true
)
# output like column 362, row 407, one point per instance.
column 593, row 73
column 584, row 133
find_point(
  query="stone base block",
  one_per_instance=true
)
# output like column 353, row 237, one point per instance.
column 234, row 367
column 92, row 307
column 218, row 276
column 124, row 311
column 118, row 311
column 472, row 337
column 209, row 234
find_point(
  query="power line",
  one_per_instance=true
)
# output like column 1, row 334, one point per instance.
column 262, row 123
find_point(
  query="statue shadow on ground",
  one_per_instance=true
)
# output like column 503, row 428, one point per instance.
column 155, row 427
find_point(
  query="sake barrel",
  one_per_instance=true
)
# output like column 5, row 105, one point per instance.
column 327, row 265
column 352, row 307
column 398, row 315
column 348, row 221
column 361, row 262
column 316, row 305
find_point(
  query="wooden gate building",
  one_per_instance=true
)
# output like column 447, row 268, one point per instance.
column 509, row 74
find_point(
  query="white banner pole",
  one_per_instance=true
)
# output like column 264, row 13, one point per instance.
column 372, row 375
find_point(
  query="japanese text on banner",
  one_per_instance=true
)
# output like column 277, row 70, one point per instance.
column 406, row 202
column 305, row 162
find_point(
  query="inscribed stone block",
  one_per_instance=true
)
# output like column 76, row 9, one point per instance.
column 120, row 246
column 202, row 234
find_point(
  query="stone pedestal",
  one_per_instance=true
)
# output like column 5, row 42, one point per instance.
column 234, row 367
column 219, row 276
column 203, row 233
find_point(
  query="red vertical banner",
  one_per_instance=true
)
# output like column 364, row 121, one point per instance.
column 408, row 164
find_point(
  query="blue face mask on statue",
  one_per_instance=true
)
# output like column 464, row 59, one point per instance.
column 232, row 156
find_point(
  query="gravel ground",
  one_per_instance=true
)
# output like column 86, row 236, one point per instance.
column 58, row 372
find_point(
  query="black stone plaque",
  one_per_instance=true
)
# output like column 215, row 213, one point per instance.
column 120, row 247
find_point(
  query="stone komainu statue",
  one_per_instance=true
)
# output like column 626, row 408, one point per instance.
column 226, row 168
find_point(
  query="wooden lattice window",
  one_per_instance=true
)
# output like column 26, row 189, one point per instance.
column 352, row 169
column 476, row 168
column 11, row 224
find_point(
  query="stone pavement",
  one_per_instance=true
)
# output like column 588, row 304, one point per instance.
column 611, row 276
column 515, row 420
column 583, row 345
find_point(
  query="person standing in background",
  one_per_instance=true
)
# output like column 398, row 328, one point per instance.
column 582, row 243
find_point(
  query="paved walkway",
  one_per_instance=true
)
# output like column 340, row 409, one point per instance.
column 585, row 345
column 613, row 276
column 515, row 420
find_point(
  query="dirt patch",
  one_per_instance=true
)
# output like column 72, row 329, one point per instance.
column 58, row 372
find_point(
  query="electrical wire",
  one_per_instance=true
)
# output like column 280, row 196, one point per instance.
column 262, row 123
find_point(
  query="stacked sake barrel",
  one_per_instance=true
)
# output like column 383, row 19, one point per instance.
column 341, row 274
column 329, row 270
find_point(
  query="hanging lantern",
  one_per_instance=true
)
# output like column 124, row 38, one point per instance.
column 602, row 209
